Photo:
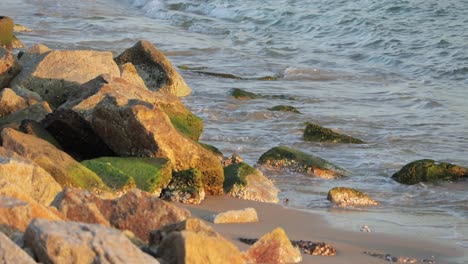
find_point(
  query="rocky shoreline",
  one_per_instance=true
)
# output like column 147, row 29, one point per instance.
column 94, row 147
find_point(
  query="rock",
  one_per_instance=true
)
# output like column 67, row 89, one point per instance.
column 6, row 32
column 243, row 95
column 194, row 242
column 11, row 253
column 344, row 196
column 16, row 43
column 70, row 242
column 185, row 187
column 67, row 172
column 125, row 173
column 306, row 247
column 35, row 112
column 247, row 215
column 316, row 133
column 427, row 170
column 233, row 159
column 284, row 108
column 244, row 182
column 34, row 181
column 93, row 92
column 10, row 102
column 274, row 247
column 21, row 28
column 154, row 68
column 75, row 135
column 286, row 158
column 130, row 73
column 44, row 74
column 35, row 128
column 30, row 96
column 9, row 67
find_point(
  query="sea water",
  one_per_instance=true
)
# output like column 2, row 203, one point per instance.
column 393, row 73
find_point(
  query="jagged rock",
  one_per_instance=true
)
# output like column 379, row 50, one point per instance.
column 65, row 170
column 274, row 247
column 44, row 74
column 35, row 112
column 9, row 67
column 427, row 170
column 314, row 132
column 247, row 215
column 243, row 95
column 10, row 102
column 286, row 158
column 233, row 159
column 11, row 253
column 125, row 173
column 244, row 182
column 6, row 32
column 185, row 187
column 71, row 242
column 154, row 68
column 35, row 128
column 75, row 135
column 21, row 28
column 344, row 196
column 194, row 242
column 284, row 108
column 30, row 96
column 34, row 181
column 213, row 150
column 130, row 73
column 93, row 92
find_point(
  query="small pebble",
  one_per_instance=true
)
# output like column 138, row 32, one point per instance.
column 365, row 228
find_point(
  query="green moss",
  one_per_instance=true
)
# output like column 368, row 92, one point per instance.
column 189, row 124
column 6, row 31
column 242, row 95
column 235, row 174
column 316, row 133
column 212, row 148
column 284, row 108
column 187, row 181
column 81, row 176
column 148, row 174
column 427, row 170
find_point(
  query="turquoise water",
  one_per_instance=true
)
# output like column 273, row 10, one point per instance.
column 393, row 73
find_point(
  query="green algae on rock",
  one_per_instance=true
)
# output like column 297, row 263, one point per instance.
column 243, row 95
column 316, row 133
column 427, row 170
column 6, row 32
column 283, row 157
column 187, row 123
column 185, row 187
column 285, row 108
column 124, row 173
column 344, row 196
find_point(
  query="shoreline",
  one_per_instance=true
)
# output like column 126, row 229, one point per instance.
column 307, row 225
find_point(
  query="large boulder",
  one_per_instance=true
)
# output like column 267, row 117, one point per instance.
column 6, row 32
column 130, row 73
column 247, row 215
column 58, row 73
column 427, row 170
column 185, row 187
column 10, row 102
column 194, row 242
column 154, row 68
column 71, row 242
column 35, row 112
column 244, row 182
column 286, row 158
column 344, row 196
column 11, row 253
column 316, row 133
column 65, row 170
column 35, row 128
column 125, row 173
column 9, row 67
column 93, row 92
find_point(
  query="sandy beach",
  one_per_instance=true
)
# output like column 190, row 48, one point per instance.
column 301, row 225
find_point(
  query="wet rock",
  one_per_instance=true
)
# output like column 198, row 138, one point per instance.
column 125, row 173
column 34, row 181
column 44, row 74
column 233, row 159
column 286, row 158
column 67, row 172
column 35, row 112
column 35, row 128
column 21, row 28
column 6, row 32
column 401, row 259
column 130, row 73
column 185, row 187
column 154, row 68
column 9, row 67
column 193, row 241
column 243, row 95
column 247, row 215
column 71, row 242
column 344, row 196
column 427, row 170
column 284, row 108
column 274, row 247
column 316, row 133
column 244, row 182
column 11, row 253
column 10, row 102
column 75, row 135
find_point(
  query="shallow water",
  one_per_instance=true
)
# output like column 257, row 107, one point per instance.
column 393, row 73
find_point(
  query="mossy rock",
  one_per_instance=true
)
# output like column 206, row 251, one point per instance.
column 121, row 173
column 6, row 32
column 185, row 122
column 213, row 149
column 243, row 95
column 185, row 187
column 235, row 174
column 286, row 158
column 316, row 133
column 285, row 108
column 344, row 196
column 428, row 170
